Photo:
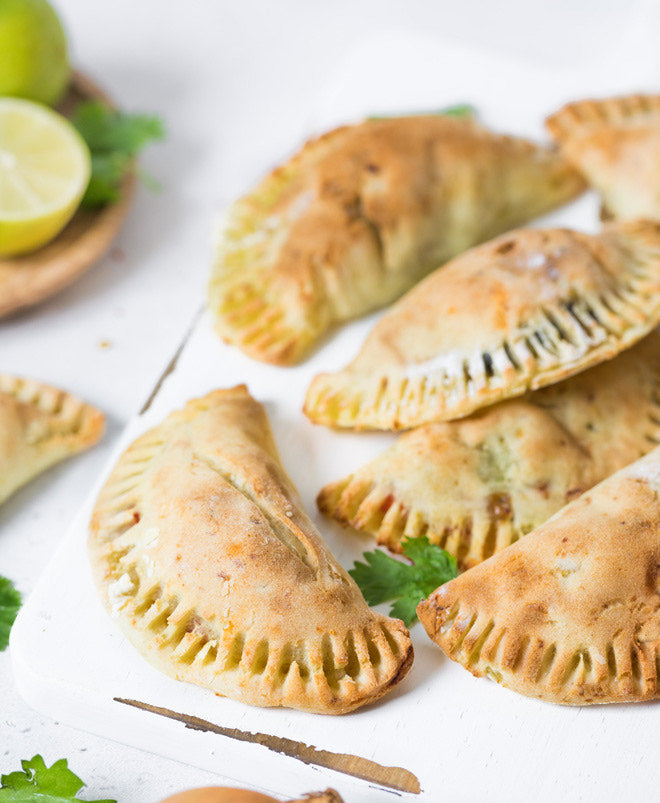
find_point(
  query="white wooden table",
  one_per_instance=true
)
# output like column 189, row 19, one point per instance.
column 237, row 84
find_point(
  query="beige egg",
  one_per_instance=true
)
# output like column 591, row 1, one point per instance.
column 219, row 794
column 226, row 794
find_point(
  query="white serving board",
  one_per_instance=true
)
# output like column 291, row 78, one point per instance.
column 464, row 739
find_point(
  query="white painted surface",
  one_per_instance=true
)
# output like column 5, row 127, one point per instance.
column 238, row 84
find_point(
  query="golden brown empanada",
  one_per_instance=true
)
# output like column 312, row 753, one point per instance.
column 522, row 311
column 39, row 426
column 360, row 214
column 476, row 485
column 571, row 613
column 615, row 143
column 203, row 554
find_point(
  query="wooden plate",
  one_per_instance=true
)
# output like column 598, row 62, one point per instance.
column 27, row 280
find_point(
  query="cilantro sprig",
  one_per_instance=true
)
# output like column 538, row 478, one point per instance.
column 10, row 602
column 114, row 138
column 41, row 784
column 383, row 578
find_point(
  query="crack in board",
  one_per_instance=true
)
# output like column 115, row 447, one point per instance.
column 363, row 768
column 171, row 365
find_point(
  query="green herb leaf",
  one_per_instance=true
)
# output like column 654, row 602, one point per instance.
column 114, row 138
column 105, row 129
column 108, row 169
column 37, row 782
column 457, row 110
column 383, row 578
column 10, row 602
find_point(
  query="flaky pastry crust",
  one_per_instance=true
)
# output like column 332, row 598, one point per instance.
column 204, row 556
column 615, row 143
column 571, row 613
column 523, row 311
column 359, row 215
column 40, row 425
column 476, row 485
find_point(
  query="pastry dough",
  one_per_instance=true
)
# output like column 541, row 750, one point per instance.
column 522, row 311
column 615, row 143
column 476, row 485
column 360, row 214
column 571, row 613
column 39, row 426
column 203, row 554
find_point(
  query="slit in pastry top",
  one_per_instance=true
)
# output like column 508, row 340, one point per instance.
column 520, row 312
column 571, row 613
column 359, row 215
column 203, row 554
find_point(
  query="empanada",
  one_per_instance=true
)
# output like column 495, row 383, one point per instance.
column 39, row 426
column 522, row 311
column 615, row 143
column 476, row 485
column 360, row 214
column 203, row 554
column 571, row 613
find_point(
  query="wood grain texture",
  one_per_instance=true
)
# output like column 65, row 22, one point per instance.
column 31, row 278
column 391, row 777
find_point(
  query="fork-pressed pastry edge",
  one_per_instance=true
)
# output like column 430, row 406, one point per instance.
column 45, row 425
column 333, row 671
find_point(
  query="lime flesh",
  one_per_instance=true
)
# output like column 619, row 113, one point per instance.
column 44, row 171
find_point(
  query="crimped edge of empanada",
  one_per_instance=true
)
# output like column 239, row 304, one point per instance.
column 605, row 660
column 246, row 313
column 627, row 672
column 581, row 117
column 559, row 342
column 278, row 319
column 69, row 426
column 368, row 499
column 373, row 508
column 330, row 674
column 79, row 422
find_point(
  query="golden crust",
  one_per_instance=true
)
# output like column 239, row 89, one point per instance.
column 203, row 554
column 525, row 310
column 615, row 143
column 571, row 613
column 359, row 215
column 476, row 485
column 39, row 426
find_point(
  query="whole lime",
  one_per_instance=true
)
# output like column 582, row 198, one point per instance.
column 34, row 62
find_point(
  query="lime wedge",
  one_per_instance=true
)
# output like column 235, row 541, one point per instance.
column 44, row 170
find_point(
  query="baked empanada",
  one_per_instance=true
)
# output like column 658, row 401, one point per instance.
column 39, row 426
column 571, row 613
column 360, row 214
column 615, row 143
column 522, row 311
column 476, row 485
column 203, row 554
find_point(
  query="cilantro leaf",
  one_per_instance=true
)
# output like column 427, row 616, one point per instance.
column 10, row 602
column 457, row 110
column 108, row 169
column 105, row 129
column 383, row 578
column 37, row 782
column 114, row 138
